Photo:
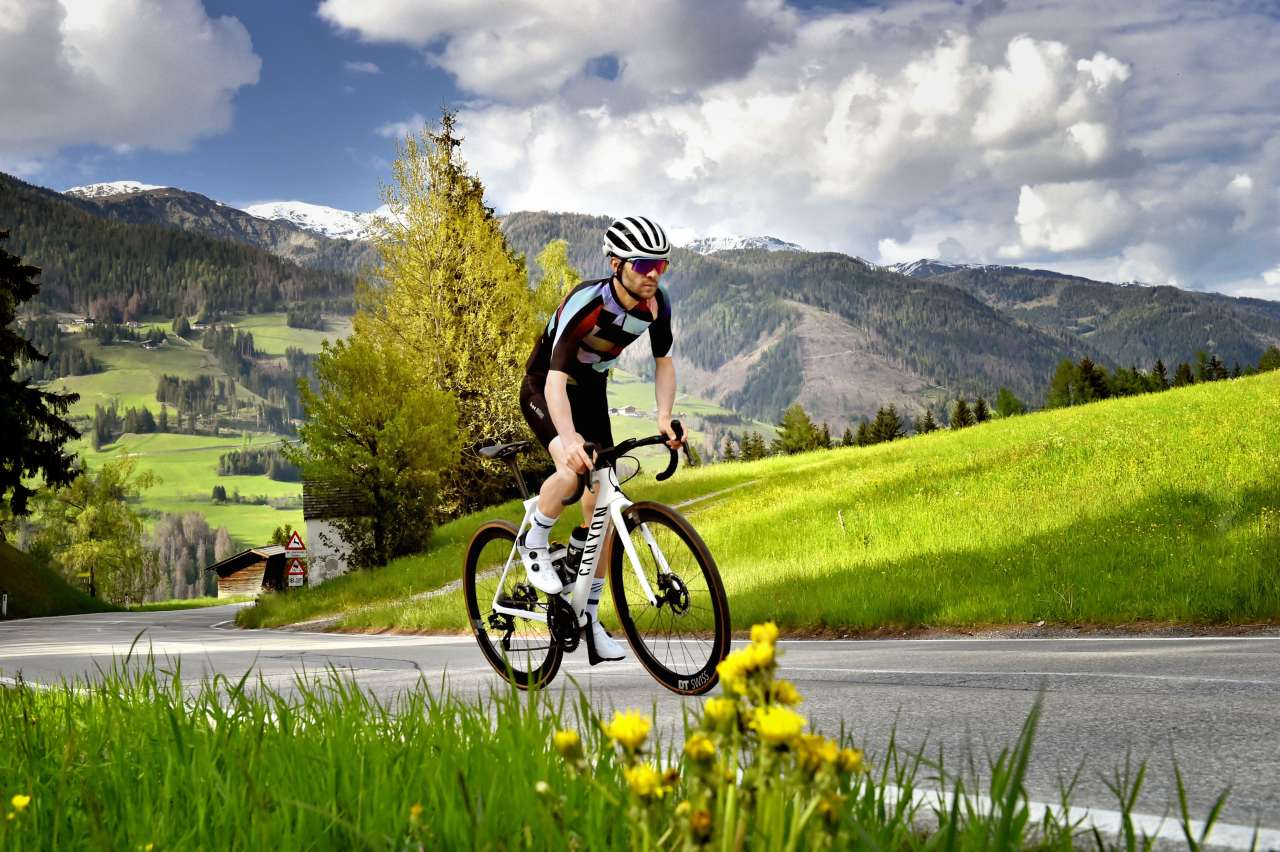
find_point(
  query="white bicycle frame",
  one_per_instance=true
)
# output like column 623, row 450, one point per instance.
column 610, row 504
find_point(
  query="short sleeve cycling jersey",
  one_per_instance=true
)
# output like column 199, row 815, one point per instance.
column 587, row 333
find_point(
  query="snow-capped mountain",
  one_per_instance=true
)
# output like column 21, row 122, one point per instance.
column 326, row 221
column 110, row 188
column 929, row 267
column 707, row 245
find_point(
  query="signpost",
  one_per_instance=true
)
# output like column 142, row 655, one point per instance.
column 295, row 553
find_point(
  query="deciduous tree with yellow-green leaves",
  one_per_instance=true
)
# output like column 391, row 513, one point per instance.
column 381, row 436
column 455, row 299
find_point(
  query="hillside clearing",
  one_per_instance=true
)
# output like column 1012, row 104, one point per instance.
column 1160, row 508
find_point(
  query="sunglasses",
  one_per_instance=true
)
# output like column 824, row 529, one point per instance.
column 645, row 265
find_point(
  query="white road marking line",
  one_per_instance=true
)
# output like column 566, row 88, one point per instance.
column 693, row 500
column 1109, row 822
column 1032, row 674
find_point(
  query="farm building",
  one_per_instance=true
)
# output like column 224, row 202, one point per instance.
column 323, row 503
column 251, row 572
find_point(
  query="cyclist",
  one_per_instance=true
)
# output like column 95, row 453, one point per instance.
column 563, row 393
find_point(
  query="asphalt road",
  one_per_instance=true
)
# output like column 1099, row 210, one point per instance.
column 1214, row 703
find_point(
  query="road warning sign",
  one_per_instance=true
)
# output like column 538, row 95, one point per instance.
column 295, row 544
column 297, row 574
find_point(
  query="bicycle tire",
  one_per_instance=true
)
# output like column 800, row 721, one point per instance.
column 701, row 630
column 532, row 660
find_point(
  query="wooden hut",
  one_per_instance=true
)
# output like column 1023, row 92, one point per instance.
column 251, row 571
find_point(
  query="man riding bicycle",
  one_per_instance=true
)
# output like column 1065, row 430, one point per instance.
column 563, row 394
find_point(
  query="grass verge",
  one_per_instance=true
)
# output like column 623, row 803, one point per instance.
column 139, row 761
column 1161, row 508
column 36, row 591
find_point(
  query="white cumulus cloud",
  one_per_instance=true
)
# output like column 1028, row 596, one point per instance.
column 122, row 74
column 1119, row 141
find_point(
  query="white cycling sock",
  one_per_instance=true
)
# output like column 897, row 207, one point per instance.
column 539, row 529
column 593, row 599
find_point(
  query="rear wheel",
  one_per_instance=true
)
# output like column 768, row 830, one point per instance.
column 684, row 636
column 520, row 649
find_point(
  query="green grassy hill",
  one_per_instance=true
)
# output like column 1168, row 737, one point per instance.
column 1159, row 508
column 36, row 591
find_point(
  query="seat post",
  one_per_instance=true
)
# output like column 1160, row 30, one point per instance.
column 515, row 468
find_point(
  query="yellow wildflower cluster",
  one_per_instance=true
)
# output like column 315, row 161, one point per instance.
column 19, row 803
column 751, row 739
column 628, row 729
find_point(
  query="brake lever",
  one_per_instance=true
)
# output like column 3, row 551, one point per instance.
column 583, row 478
column 675, row 456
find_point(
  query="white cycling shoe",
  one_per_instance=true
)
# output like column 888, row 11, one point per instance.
column 601, row 647
column 539, row 567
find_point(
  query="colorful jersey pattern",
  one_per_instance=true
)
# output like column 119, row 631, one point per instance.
column 587, row 333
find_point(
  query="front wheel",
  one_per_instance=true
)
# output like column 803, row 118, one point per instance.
column 520, row 649
column 682, row 637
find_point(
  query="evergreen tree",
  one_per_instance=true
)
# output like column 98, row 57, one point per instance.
column 1270, row 360
column 31, row 420
column 456, row 304
column 847, row 439
column 1236, row 372
column 824, row 441
column 728, row 454
column 1183, row 376
column 961, row 415
column 1093, row 381
column 796, row 432
column 181, row 326
column 219, row 494
column 980, row 412
column 864, row 438
column 1160, row 376
column 1217, row 369
column 1008, row 405
column 927, row 424
column 888, row 426
column 163, row 424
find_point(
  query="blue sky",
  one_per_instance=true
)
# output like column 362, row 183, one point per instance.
column 1124, row 142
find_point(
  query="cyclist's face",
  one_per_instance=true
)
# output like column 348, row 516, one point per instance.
column 644, row 285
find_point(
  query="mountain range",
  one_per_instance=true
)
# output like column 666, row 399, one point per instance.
column 761, row 323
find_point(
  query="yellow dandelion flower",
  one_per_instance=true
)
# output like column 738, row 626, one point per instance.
column 732, row 668
column 766, row 633
column 850, row 760
column 777, row 725
column 20, row 802
column 568, row 743
column 628, row 729
column 148, row 847
column 720, row 710
column 684, row 808
column 814, row 751
column 700, row 747
column 831, row 806
column 759, row 656
column 415, row 812
column 645, row 781
column 784, row 692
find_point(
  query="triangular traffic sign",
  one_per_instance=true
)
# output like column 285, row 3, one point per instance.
column 295, row 542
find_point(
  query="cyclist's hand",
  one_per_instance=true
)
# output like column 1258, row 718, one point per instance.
column 664, row 426
column 576, row 454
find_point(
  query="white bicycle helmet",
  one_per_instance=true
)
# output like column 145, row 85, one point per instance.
column 636, row 237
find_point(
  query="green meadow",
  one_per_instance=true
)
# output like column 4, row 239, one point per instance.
column 187, row 469
column 272, row 335
column 1162, row 508
column 132, row 373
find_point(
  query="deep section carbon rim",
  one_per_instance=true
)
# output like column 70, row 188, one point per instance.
column 682, row 638
column 520, row 649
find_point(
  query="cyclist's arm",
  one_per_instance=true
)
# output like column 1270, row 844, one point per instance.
column 664, row 379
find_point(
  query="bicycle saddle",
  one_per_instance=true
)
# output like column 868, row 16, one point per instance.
column 503, row 451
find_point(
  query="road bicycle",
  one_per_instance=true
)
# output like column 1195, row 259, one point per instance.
column 666, row 590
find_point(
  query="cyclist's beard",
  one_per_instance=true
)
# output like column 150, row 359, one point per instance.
column 632, row 293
